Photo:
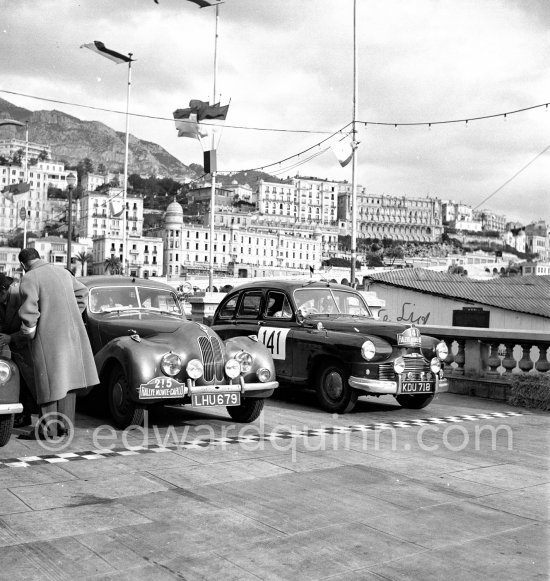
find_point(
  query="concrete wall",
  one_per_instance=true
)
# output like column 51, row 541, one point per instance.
column 410, row 306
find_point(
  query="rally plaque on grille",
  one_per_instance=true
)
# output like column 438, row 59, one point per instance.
column 161, row 387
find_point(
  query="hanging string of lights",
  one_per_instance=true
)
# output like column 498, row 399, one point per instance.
column 278, row 165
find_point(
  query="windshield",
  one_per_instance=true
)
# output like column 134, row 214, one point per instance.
column 327, row 301
column 117, row 298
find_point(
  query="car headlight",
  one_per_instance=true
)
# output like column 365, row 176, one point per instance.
column 245, row 360
column 194, row 369
column 368, row 350
column 233, row 368
column 399, row 365
column 435, row 365
column 5, row 371
column 264, row 375
column 170, row 364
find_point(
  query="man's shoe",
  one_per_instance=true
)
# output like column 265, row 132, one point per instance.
column 22, row 420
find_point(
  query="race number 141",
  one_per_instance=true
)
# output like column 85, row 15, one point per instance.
column 274, row 338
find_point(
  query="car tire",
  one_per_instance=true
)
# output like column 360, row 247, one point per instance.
column 333, row 390
column 123, row 410
column 414, row 402
column 6, row 425
column 248, row 411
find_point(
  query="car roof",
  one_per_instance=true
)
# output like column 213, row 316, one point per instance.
column 289, row 285
column 119, row 280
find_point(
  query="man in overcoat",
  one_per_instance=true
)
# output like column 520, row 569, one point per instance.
column 52, row 302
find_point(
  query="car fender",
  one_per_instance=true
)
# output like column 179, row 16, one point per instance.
column 261, row 354
column 9, row 390
column 137, row 358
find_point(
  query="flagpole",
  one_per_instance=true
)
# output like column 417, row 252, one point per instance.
column 354, row 154
column 125, row 183
column 212, row 148
column 27, row 152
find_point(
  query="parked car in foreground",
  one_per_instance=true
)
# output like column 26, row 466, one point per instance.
column 9, row 397
column 147, row 353
column 324, row 335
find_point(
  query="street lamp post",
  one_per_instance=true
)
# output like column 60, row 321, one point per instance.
column 71, row 181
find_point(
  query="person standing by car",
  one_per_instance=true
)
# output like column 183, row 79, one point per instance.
column 52, row 302
column 15, row 345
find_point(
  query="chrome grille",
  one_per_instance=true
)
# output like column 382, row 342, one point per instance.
column 415, row 365
column 212, row 358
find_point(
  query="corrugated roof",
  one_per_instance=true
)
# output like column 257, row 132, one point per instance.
column 524, row 294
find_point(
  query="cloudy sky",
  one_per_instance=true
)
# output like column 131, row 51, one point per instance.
column 287, row 68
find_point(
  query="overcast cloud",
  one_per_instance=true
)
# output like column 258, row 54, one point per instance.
column 288, row 65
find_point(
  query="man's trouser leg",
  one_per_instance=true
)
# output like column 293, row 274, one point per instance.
column 48, row 420
column 67, row 406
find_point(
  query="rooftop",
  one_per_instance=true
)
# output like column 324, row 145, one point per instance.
column 524, row 294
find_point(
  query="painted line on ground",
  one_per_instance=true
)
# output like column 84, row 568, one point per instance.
column 62, row 457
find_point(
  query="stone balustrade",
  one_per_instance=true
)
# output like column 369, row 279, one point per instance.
column 483, row 361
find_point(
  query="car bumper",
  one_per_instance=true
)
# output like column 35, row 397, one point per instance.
column 10, row 408
column 378, row 387
column 243, row 387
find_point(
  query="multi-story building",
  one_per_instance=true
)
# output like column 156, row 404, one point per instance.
column 101, row 214
column 144, row 257
column 187, row 247
column 537, row 239
column 396, row 217
column 10, row 147
column 53, row 249
column 9, row 261
column 490, row 221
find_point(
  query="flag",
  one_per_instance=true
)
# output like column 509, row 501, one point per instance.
column 19, row 188
column 101, row 49
column 203, row 3
column 186, row 123
column 11, row 122
column 311, row 269
column 116, row 208
column 201, row 120
column 343, row 150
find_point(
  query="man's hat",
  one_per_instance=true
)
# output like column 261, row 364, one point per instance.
column 5, row 281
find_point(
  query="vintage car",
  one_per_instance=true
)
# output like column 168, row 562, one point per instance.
column 148, row 353
column 9, row 397
column 323, row 335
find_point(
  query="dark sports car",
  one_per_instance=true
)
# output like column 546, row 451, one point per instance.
column 147, row 353
column 9, row 397
column 323, row 335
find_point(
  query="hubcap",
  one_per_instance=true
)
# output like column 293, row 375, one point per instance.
column 334, row 387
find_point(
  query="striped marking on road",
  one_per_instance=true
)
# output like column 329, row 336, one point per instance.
column 62, row 457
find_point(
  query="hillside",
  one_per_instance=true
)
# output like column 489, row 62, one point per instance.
column 72, row 140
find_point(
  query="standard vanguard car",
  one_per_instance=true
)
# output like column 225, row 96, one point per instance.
column 147, row 353
column 324, row 335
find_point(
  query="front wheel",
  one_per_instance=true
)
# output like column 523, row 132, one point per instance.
column 123, row 410
column 414, row 402
column 333, row 390
column 247, row 412
column 6, row 425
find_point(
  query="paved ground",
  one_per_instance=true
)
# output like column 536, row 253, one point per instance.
column 459, row 490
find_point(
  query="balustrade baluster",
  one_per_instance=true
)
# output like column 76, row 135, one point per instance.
column 493, row 361
column 542, row 365
column 509, row 363
column 525, row 363
column 460, row 357
column 450, row 357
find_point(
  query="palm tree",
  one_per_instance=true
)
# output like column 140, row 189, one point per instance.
column 84, row 258
column 113, row 265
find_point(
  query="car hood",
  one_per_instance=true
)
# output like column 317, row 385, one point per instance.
column 359, row 325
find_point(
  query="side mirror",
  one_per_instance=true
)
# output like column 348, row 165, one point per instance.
column 299, row 316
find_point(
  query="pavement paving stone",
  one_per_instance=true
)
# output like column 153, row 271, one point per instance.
column 67, row 521
column 190, row 476
column 59, row 559
column 507, row 476
column 87, row 491
column 531, row 502
column 38, row 475
column 9, row 503
column 207, row 566
column 507, row 556
column 454, row 523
